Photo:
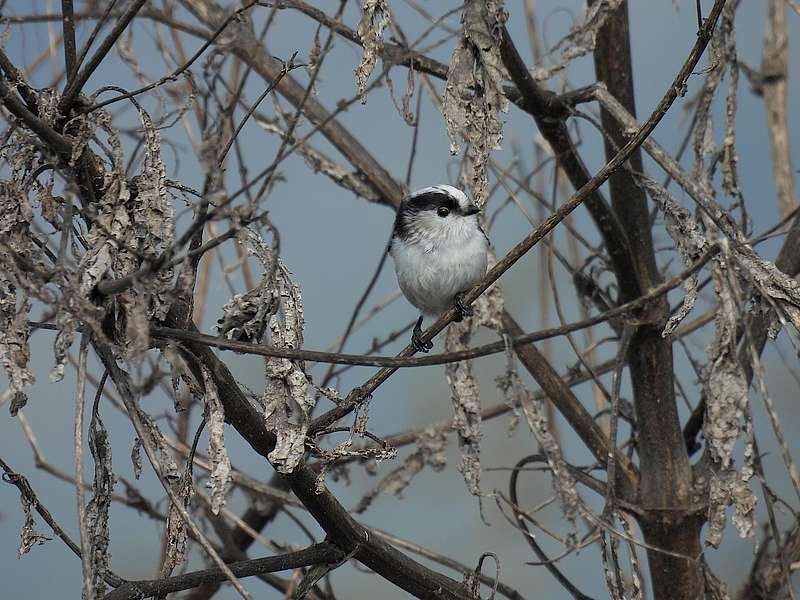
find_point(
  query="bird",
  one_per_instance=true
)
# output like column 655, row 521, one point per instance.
column 439, row 252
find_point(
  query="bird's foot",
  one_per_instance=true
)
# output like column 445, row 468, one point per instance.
column 419, row 344
column 463, row 311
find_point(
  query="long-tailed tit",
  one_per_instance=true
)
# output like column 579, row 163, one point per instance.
column 439, row 252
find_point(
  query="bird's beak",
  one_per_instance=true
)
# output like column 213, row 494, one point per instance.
column 472, row 209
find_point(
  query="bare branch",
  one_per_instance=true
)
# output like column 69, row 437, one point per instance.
column 322, row 553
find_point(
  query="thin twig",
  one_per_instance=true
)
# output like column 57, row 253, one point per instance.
column 401, row 360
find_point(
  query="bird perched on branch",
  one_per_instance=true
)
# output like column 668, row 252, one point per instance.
column 439, row 252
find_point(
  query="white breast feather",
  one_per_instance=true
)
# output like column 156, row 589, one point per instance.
column 433, row 268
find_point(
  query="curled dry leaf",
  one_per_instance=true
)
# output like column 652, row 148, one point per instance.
column 180, row 376
column 14, row 348
column 67, row 327
column 99, row 505
column 464, row 390
column 727, row 408
column 245, row 316
column 725, row 383
column 16, row 214
column 136, row 457
column 288, row 397
column 181, row 485
column 689, row 239
column 473, row 96
column 431, row 451
column 176, row 534
column 375, row 17
column 153, row 220
column 29, row 537
column 133, row 227
column 220, row 463
column 579, row 41
column 465, row 396
column 167, row 465
column 729, row 487
column 770, row 281
column 563, row 481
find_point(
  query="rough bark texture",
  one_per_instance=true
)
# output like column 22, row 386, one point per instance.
column 665, row 471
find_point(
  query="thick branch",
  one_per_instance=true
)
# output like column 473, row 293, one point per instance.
column 323, row 553
column 666, row 475
column 774, row 70
column 547, row 225
column 74, row 86
column 629, row 308
column 341, row 528
column 68, row 27
column 551, row 115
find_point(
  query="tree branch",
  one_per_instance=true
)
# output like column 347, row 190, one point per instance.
column 322, row 553
column 634, row 306
column 75, row 86
column 665, row 471
column 342, row 529
column 546, row 226
column 68, row 27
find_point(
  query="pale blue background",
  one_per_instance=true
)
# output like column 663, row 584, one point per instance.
column 332, row 241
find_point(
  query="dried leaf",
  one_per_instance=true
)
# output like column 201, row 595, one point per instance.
column 770, row 281
column 99, row 505
column 133, row 226
column 375, row 17
column 465, row 396
column 167, row 465
column 728, row 487
column 288, row 398
column 180, row 376
column 14, row 348
column 563, row 481
column 246, row 316
column 180, row 483
column 67, row 327
column 580, row 41
column 136, row 457
column 29, row 537
column 16, row 215
column 431, row 448
column 153, row 219
column 220, row 463
column 464, row 391
column 176, row 527
column 473, row 96
column 689, row 239
column 725, row 383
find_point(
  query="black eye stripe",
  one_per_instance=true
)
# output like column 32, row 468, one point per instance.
column 431, row 201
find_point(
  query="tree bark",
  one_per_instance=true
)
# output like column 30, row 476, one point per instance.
column 666, row 474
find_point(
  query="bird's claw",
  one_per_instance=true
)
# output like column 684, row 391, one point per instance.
column 463, row 311
column 419, row 344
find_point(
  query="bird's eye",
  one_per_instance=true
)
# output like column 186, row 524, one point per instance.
column 442, row 211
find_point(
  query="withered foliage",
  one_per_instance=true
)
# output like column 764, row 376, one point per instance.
column 132, row 200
